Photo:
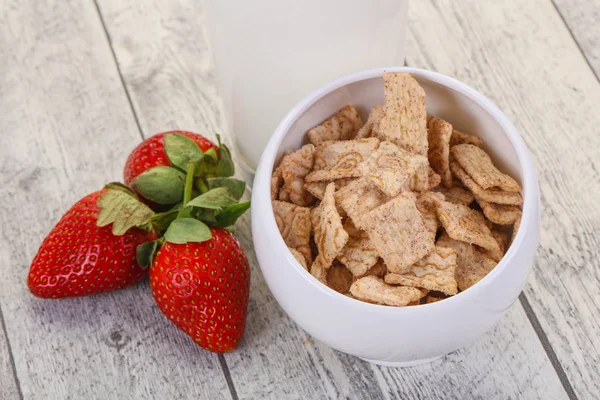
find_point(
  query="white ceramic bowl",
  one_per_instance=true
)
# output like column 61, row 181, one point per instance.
column 384, row 335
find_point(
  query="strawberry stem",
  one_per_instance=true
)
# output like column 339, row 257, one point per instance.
column 202, row 186
column 189, row 182
column 189, row 185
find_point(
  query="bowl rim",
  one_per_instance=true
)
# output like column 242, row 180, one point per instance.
column 531, row 197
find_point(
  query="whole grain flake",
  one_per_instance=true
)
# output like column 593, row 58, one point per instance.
column 361, row 206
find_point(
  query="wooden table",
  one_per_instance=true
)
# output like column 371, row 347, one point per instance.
column 82, row 82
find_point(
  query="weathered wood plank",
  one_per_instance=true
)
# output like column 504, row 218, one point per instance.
column 167, row 68
column 165, row 59
column 9, row 387
column 521, row 55
column 66, row 128
column 477, row 373
column 582, row 16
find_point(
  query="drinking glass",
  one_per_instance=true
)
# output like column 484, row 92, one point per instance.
column 270, row 53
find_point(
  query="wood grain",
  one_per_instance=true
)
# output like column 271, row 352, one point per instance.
column 522, row 57
column 477, row 373
column 65, row 117
column 277, row 359
column 66, row 128
column 9, row 387
column 165, row 60
column 581, row 17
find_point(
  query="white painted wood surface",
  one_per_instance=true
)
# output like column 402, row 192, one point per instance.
column 521, row 55
column 581, row 17
column 60, row 89
column 9, row 387
column 66, row 128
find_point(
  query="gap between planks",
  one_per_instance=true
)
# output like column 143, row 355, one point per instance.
column 227, row 374
column 545, row 342
column 222, row 361
column 583, row 53
column 11, row 358
column 114, row 56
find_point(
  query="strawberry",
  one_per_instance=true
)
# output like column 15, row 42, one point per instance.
column 200, row 277
column 151, row 153
column 156, row 169
column 199, row 274
column 78, row 257
column 203, row 289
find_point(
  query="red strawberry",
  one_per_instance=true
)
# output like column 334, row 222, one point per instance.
column 79, row 258
column 151, row 153
column 203, row 289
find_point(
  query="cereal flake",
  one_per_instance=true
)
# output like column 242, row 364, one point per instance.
column 398, row 233
column 405, row 118
column 373, row 289
column 342, row 125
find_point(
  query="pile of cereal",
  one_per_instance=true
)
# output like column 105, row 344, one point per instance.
column 400, row 210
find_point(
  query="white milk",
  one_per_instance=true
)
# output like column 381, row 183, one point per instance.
column 271, row 53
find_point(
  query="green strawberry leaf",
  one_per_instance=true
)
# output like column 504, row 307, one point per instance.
column 230, row 214
column 186, row 212
column 123, row 212
column 185, row 230
column 181, row 150
column 163, row 185
column 236, row 187
column 225, row 166
column 212, row 152
column 145, row 252
column 161, row 221
column 205, row 215
column 207, row 166
column 215, row 199
column 121, row 187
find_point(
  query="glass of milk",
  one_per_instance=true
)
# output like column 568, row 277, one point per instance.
column 269, row 54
